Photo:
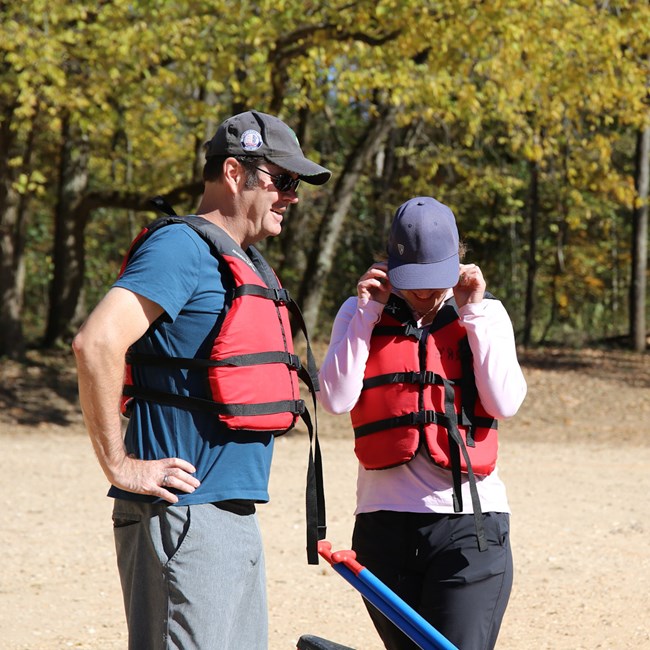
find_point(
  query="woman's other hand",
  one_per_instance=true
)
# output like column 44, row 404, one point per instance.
column 374, row 284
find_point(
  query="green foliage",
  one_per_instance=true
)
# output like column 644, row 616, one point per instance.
column 482, row 90
column 38, row 273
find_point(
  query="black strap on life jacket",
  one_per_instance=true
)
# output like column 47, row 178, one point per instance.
column 412, row 419
column 315, row 493
column 456, row 442
column 163, row 206
column 297, row 406
column 457, row 446
column 254, row 358
column 424, row 378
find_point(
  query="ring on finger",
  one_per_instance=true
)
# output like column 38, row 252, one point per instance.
column 164, row 481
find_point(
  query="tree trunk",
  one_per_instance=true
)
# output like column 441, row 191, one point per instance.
column 69, row 228
column 13, row 226
column 12, row 272
column 638, row 285
column 533, row 213
column 296, row 233
column 70, row 248
column 321, row 256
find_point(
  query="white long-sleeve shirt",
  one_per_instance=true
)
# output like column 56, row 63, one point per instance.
column 420, row 485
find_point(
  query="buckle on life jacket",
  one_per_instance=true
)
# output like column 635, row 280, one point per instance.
column 423, row 417
column 430, row 377
column 413, row 377
column 418, row 377
column 280, row 295
column 411, row 330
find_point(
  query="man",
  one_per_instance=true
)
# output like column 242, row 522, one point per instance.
column 186, row 476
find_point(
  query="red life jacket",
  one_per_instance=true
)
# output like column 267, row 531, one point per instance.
column 253, row 380
column 416, row 388
column 419, row 390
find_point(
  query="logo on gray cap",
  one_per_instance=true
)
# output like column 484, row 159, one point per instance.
column 251, row 140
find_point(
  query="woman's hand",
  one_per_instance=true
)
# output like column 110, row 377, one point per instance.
column 471, row 285
column 374, row 284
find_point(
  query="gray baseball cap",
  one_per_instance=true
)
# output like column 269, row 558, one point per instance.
column 260, row 135
column 423, row 246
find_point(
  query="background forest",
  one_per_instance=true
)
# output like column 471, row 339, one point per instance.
column 529, row 118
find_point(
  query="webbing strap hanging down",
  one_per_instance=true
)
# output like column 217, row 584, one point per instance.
column 315, row 491
column 457, row 446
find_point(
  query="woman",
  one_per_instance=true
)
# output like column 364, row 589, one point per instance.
column 425, row 362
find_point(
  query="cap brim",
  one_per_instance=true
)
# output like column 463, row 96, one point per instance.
column 308, row 171
column 437, row 275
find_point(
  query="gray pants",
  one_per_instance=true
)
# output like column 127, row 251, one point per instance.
column 193, row 577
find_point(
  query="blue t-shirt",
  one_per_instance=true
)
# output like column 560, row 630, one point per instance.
column 175, row 269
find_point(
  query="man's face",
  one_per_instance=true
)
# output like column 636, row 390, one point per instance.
column 265, row 205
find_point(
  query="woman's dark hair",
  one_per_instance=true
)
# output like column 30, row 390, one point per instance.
column 213, row 168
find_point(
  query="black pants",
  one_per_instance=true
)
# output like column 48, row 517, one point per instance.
column 433, row 563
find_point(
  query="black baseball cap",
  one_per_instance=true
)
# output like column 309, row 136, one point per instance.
column 260, row 135
column 423, row 246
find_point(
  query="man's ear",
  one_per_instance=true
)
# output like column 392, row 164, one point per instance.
column 233, row 175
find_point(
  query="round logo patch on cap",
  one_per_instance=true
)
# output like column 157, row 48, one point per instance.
column 251, row 140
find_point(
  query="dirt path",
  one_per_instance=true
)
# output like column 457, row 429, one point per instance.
column 575, row 461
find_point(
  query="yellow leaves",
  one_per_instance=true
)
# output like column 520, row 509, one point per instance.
column 639, row 203
column 575, row 198
column 533, row 151
column 382, row 9
column 33, row 183
column 562, row 300
column 536, row 74
column 593, row 282
column 12, row 36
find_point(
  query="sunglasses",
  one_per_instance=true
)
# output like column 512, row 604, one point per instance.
column 282, row 182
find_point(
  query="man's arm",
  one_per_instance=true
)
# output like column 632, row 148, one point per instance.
column 119, row 320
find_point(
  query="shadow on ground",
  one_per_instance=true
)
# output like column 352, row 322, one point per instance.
column 622, row 366
column 42, row 388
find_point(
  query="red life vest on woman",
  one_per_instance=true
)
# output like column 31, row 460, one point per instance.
column 252, row 370
column 419, row 391
column 419, row 387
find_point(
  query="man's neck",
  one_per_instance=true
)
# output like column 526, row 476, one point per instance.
column 228, row 224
